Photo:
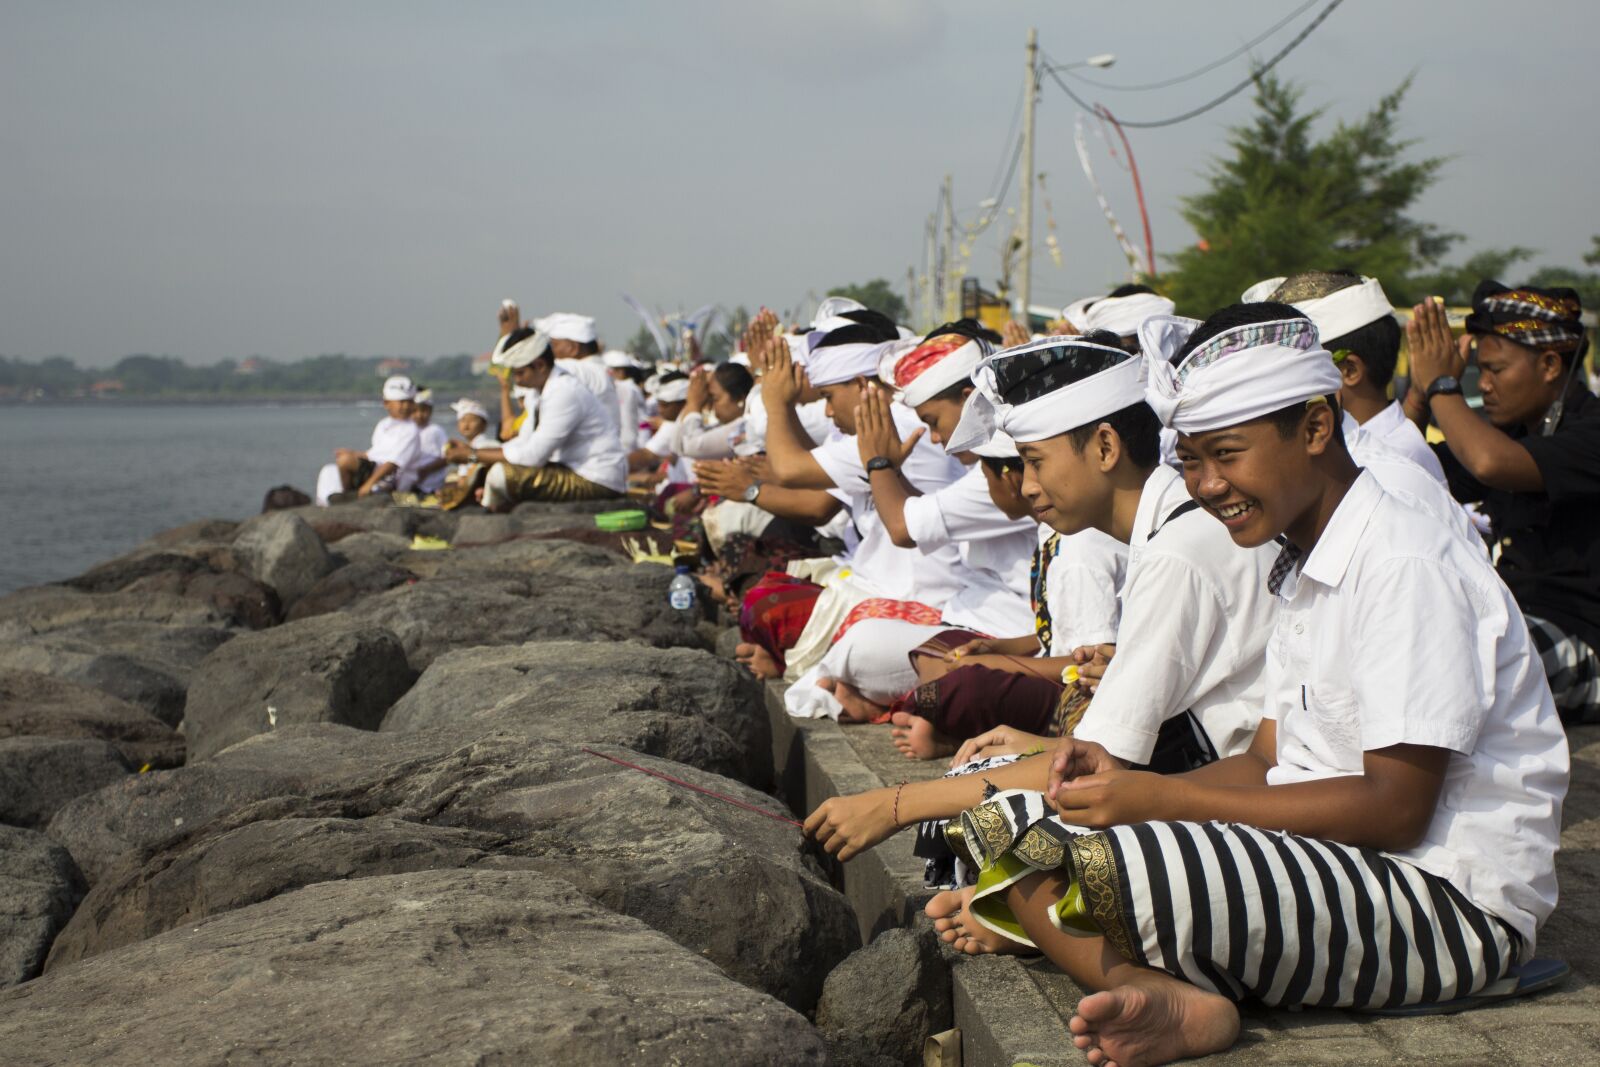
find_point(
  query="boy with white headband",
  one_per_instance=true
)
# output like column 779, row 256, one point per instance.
column 1388, row 840
column 432, row 439
column 789, row 620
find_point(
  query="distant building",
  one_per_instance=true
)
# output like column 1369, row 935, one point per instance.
column 249, row 366
column 105, row 387
column 389, row 367
column 480, row 362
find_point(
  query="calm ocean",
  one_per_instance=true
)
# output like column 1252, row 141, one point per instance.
column 83, row 483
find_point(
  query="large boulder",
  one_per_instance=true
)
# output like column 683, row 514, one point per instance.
column 325, row 669
column 39, row 887
column 207, row 574
column 617, row 602
column 679, row 704
column 282, row 550
column 880, row 1006
column 145, row 663
column 728, row 882
column 197, row 876
column 370, row 546
column 349, row 584
column 50, row 608
column 40, row 774
column 433, row 967
column 34, row 704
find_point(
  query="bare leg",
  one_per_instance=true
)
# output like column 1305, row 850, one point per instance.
column 1136, row 1016
column 757, row 660
column 916, row 738
column 957, row 928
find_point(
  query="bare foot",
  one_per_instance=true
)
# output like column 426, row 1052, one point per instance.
column 857, row 708
column 958, row 928
column 757, row 660
column 1155, row 1020
column 916, row 738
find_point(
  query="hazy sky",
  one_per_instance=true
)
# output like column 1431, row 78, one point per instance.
column 211, row 180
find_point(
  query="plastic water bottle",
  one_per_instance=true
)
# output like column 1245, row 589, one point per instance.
column 680, row 594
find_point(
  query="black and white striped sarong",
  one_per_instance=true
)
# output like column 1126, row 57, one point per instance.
column 1250, row 913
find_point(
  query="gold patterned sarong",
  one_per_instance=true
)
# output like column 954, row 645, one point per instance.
column 552, row 482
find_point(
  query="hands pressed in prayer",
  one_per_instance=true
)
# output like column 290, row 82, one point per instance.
column 847, row 826
column 699, row 389
column 1430, row 346
column 1092, row 661
column 783, row 383
column 1075, row 759
column 876, row 433
column 1013, row 333
column 1000, row 741
column 510, row 318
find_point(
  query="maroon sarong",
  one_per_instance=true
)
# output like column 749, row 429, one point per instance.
column 971, row 700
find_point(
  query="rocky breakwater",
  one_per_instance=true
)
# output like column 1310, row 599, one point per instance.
column 294, row 790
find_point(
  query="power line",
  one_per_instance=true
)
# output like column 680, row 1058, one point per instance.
column 1230, row 94
column 1209, row 67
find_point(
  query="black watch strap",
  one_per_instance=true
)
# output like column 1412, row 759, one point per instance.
column 1443, row 385
column 879, row 463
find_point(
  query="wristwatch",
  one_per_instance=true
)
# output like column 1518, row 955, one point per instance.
column 751, row 491
column 1445, row 383
column 879, row 463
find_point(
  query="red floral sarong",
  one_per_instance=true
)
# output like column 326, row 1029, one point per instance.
column 884, row 608
column 775, row 611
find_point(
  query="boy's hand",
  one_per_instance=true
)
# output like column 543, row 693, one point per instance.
column 980, row 647
column 783, row 381
column 1114, row 798
column 1001, row 741
column 876, row 434
column 847, row 826
column 1092, row 661
column 1078, row 759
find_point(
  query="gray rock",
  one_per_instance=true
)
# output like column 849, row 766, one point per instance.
column 483, row 530
column 48, row 608
column 372, row 546
column 39, row 887
column 282, row 550
column 239, row 600
column 435, row 967
column 570, row 507
column 34, row 704
column 615, row 603
column 195, row 876
column 146, row 664
column 724, row 881
column 678, row 704
column 728, row 642
column 40, row 774
column 201, row 531
column 325, row 669
column 349, row 584
column 881, row 1005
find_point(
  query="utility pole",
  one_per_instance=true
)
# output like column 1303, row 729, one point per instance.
column 1030, row 94
column 929, row 295
column 947, row 298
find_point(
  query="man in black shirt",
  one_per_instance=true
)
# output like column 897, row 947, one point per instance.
column 1533, row 465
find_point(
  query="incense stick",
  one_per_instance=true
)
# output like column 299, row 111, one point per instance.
column 697, row 788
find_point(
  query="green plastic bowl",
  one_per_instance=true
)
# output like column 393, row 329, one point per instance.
column 622, row 521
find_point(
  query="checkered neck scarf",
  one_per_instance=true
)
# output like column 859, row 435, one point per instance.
column 1538, row 318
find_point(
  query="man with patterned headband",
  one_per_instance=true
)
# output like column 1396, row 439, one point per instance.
column 1388, row 839
column 1533, row 466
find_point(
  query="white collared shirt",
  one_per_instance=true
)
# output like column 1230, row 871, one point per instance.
column 1395, row 632
column 432, row 442
column 1405, row 479
column 996, row 551
column 1401, row 434
column 1196, row 615
column 572, row 430
column 930, row 578
column 397, row 441
column 1083, row 590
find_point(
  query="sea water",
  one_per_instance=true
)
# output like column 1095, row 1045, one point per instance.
column 80, row 483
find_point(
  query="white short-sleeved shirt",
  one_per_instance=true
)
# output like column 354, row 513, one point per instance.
column 996, row 550
column 1395, row 631
column 1083, row 590
column 433, row 441
column 397, row 441
column 930, row 578
column 1403, row 478
column 1401, row 434
column 572, row 430
column 1196, row 615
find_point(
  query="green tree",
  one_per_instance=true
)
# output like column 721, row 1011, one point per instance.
column 878, row 295
column 1456, row 284
column 1592, row 257
column 1286, row 201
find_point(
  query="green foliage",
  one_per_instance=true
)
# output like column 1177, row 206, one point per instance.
column 1456, row 284
column 1586, row 282
column 1592, row 257
column 878, row 295
column 1285, row 201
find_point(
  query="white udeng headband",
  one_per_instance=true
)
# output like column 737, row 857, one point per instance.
column 1238, row 375
column 1058, row 411
column 833, row 364
column 1120, row 315
column 1336, row 314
